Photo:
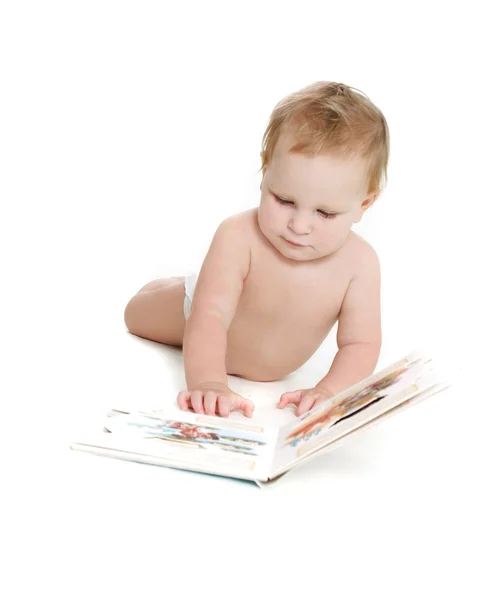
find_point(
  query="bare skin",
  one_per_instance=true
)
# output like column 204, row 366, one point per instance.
column 268, row 305
column 261, row 345
column 286, row 309
column 156, row 312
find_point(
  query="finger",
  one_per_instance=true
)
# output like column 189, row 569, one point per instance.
column 306, row 404
column 223, row 406
column 210, row 403
column 197, row 402
column 183, row 400
column 285, row 399
column 246, row 406
column 289, row 398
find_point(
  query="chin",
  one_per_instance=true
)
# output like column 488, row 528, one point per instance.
column 300, row 255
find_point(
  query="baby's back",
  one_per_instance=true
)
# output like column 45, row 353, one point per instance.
column 286, row 308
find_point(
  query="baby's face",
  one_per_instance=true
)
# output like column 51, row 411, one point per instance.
column 312, row 201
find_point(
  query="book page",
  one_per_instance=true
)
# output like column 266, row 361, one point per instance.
column 188, row 440
column 431, row 391
column 244, row 447
column 264, row 395
column 350, row 409
column 153, row 452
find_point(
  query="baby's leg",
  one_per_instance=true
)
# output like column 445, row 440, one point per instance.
column 156, row 312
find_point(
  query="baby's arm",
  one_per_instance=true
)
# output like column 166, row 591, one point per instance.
column 214, row 304
column 359, row 327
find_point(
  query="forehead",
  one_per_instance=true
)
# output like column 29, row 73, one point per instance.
column 324, row 176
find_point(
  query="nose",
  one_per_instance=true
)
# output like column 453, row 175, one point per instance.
column 300, row 223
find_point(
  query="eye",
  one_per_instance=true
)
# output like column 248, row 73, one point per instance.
column 327, row 215
column 323, row 213
column 282, row 201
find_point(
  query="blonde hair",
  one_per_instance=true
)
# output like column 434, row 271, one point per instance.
column 332, row 118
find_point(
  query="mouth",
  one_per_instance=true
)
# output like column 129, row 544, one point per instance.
column 294, row 244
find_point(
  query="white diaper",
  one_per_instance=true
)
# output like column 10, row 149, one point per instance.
column 190, row 286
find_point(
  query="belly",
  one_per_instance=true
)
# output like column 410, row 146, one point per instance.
column 266, row 350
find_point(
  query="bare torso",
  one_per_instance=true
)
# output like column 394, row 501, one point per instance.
column 287, row 308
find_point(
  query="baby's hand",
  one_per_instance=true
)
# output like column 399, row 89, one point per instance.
column 304, row 399
column 210, row 398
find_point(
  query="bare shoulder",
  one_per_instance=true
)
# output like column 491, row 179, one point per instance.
column 224, row 269
column 360, row 316
column 232, row 240
column 245, row 226
column 246, row 222
column 235, row 228
column 240, row 224
column 362, row 255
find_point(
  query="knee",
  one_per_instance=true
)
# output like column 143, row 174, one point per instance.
column 133, row 308
column 130, row 315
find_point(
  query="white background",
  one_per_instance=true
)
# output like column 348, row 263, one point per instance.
column 128, row 131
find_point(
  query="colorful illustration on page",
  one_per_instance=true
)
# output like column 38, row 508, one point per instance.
column 319, row 423
column 203, row 437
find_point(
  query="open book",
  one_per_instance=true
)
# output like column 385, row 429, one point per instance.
column 244, row 449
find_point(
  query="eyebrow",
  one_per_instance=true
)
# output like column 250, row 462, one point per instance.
column 291, row 199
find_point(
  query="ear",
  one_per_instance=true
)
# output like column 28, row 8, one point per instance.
column 369, row 201
column 264, row 170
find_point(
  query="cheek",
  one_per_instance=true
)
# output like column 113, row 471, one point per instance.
column 334, row 234
column 271, row 212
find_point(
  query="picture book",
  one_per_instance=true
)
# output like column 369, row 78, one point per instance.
column 247, row 449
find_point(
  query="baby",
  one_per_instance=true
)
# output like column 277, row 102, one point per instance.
column 277, row 278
